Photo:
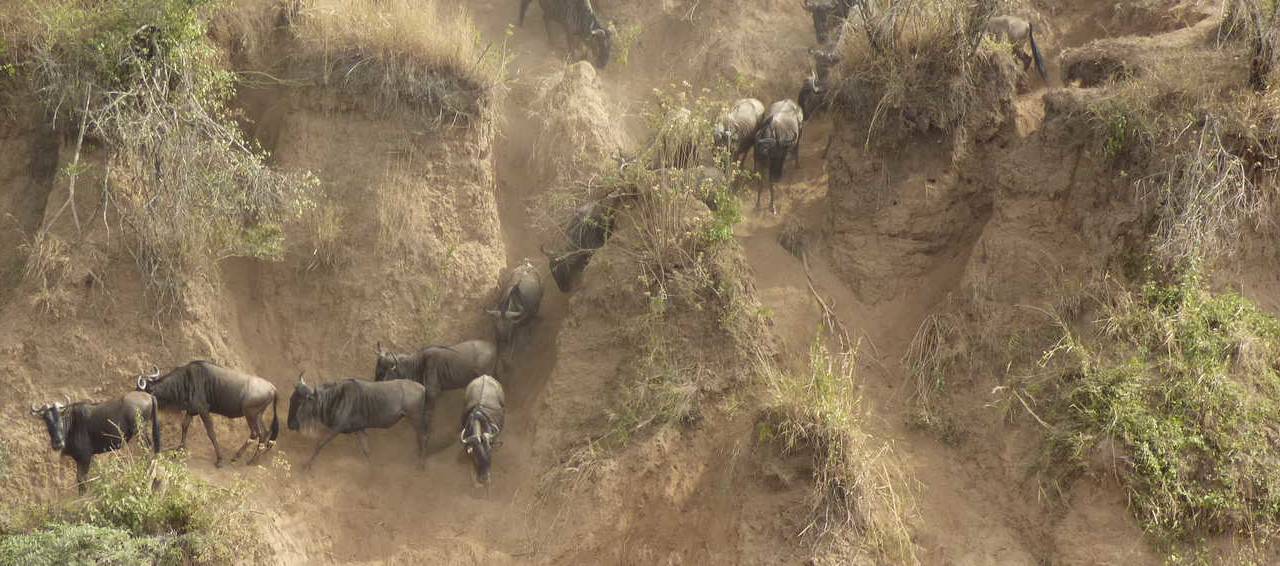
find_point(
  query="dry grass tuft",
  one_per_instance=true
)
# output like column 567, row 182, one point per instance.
column 418, row 54
column 578, row 132
column 915, row 66
column 861, row 494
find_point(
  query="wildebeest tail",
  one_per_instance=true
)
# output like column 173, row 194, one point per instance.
column 1035, row 52
column 155, row 427
column 777, row 157
column 275, row 417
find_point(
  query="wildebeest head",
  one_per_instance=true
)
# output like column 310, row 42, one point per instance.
column 149, row 380
column 505, row 320
column 478, row 438
column 811, row 95
column 51, row 414
column 565, row 266
column 387, row 367
column 722, row 136
column 601, row 43
column 303, row 395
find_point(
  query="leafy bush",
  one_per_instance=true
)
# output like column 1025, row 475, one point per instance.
column 1183, row 383
column 141, row 77
column 139, row 507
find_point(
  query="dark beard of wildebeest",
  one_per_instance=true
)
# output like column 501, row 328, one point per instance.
column 80, row 430
column 581, row 26
column 438, row 368
column 351, row 406
column 779, row 134
column 482, row 422
column 516, row 310
column 587, row 231
column 204, row 389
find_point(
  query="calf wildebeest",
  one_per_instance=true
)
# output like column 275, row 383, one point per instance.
column 582, row 28
column 587, row 231
column 438, row 368
column 350, row 406
column 1018, row 31
column 779, row 134
column 517, row 308
column 828, row 17
column 736, row 129
column 202, row 388
column 482, row 422
column 80, row 430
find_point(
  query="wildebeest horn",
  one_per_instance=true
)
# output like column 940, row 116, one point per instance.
column 543, row 249
column 155, row 372
column 380, row 350
column 142, row 382
column 35, row 410
column 598, row 31
column 462, row 435
column 67, row 398
column 492, row 312
column 300, row 374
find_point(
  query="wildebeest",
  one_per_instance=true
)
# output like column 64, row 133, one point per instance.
column 815, row 92
column 203, row 388
column 1018, row 31
column 828, row 17
column 582, row 27
column 736, row 129
column 80, row 430
column 779, row 134
column 517, row 307
column 482, row 422
column 586, row 232
column 351, row 406
column 438, row 368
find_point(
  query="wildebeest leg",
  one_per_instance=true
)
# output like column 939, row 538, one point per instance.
column 261, row 447
column 551, row 35
column 364, row 443
column 424, row 431
column 82, row 474
column 330, row 436
column 207, row 419
column 186, row 425
column 524, row 6
column 248, row 420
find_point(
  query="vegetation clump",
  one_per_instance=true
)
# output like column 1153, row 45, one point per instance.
column 142, row 79
column 860, row 495
column 915, row 66
column 405, row 53
column 139, row 511
column 1182, row 384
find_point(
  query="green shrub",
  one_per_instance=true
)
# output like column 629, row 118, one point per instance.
column 139, row 507
column 78, row 544
column 1184, row 384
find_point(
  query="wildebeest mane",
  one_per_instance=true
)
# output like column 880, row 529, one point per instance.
column 186, row 387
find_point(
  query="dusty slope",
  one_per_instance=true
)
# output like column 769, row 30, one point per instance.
column 885, row 256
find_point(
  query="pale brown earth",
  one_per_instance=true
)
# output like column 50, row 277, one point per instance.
column 429, row 224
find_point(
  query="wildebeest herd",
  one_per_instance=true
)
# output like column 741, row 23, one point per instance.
column 404, row 387
column 407, row 386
